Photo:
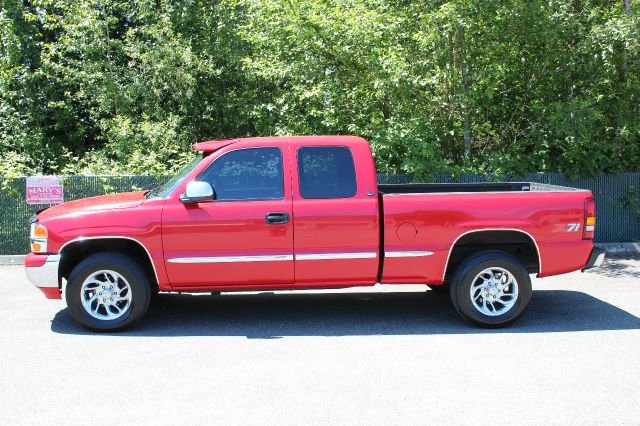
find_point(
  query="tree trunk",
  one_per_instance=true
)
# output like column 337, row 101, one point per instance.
column 467, row 133
column 622, row 75
column 466, row 104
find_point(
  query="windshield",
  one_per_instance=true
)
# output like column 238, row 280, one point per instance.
column 168, row 187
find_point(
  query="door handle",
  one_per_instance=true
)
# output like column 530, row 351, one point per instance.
column 276, row 218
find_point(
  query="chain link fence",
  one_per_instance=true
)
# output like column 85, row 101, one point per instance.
column 15, row 212
column 617, row 218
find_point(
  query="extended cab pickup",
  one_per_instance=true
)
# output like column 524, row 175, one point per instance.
column 305, row 213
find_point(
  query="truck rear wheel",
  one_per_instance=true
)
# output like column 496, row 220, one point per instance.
column 491, row 289
column 107, row 292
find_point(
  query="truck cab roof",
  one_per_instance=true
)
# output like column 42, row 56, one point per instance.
column 214, row 145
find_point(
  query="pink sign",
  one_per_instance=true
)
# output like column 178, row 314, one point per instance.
column 44, row 190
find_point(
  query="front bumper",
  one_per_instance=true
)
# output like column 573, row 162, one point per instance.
column 596, row 259
column 42, row 271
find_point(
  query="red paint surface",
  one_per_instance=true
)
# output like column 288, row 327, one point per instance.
column 51, row 292
column 35, row 260
column 442, row 218
column 337, row 225
column 167, row 228
column 228, row 228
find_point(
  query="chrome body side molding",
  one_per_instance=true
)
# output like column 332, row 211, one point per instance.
column 407, row 253
column 231, row 259
column 275, row 258
column 337, row 256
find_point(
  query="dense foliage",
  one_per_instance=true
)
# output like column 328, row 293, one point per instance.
column 500, row 86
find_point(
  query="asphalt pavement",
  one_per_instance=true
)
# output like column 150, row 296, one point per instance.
column 383, row 355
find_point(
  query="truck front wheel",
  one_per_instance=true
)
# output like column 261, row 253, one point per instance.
column 491, row 289
column 107, row 292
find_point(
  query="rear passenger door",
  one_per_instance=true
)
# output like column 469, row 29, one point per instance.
column 336, row 232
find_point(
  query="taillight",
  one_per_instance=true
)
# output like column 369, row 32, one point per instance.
column 589, row 219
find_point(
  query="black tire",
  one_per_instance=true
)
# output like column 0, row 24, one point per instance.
column 440, row 289
column 129, row 269
column 467, row 272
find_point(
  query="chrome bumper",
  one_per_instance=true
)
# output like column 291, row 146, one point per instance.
column 46, row 275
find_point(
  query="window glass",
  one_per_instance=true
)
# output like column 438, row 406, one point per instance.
column 247, row 174
column 326, row 172
column 170, row 185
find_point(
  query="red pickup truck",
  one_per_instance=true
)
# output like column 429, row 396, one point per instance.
column 307, row 213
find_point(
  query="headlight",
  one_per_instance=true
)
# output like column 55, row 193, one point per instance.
column 38, row 238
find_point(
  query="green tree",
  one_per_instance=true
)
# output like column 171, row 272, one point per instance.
column 506, row 87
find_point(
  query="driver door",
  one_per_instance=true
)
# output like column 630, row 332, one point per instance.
column 244, row 237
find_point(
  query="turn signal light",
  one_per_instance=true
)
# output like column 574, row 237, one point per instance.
column 589, row 219
column 39, row 236
column 39, row 231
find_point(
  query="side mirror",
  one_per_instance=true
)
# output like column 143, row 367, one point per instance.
column 197, row 192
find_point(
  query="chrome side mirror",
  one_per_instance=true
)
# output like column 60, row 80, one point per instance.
column 197, row 192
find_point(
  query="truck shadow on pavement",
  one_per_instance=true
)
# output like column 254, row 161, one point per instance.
column 269, row 316
column 619, row 266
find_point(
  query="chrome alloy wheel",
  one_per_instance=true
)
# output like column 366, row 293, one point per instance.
column 494, row 291
column 105, row 295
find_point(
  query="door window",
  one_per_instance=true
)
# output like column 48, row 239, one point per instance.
column 326, row 172
column 246, row 174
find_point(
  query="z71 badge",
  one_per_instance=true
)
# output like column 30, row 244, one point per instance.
column 567, row 227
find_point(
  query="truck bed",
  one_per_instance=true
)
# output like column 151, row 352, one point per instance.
column 434, row 218
column 426, row 188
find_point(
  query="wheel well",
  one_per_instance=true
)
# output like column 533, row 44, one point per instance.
column 77, row 251
column 518, row 244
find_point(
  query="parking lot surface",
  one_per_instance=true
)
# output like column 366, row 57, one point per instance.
column 384, row 355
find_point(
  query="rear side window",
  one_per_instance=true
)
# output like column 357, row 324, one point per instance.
column 246, row 174
column 326, row 172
